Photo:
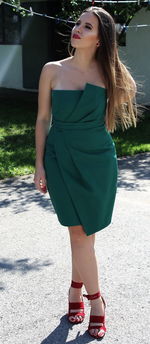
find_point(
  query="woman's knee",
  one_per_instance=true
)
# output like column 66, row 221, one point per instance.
column 78, row 235
column 76, row 232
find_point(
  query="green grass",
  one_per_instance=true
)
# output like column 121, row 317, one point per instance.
column 134, row 140
column 17, row 152
column 17, row 148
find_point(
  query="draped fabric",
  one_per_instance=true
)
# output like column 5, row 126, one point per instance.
column 80, row 159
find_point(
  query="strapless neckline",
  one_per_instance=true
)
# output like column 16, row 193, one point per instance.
column 87, row 84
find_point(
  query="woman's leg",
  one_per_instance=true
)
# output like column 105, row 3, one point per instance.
column 75, row 294
column 85, row 265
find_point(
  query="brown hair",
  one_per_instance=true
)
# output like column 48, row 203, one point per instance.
column 121, row 87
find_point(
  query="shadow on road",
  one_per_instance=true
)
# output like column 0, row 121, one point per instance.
column 23, row 265
column 133, row 171
column 20, row 193
column 60, row 334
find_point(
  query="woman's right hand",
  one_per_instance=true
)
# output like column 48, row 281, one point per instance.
column 40, row 179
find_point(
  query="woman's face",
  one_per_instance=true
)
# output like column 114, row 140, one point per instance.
column 85, row 32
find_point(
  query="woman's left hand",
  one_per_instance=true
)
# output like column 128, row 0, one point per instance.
column 40, row 180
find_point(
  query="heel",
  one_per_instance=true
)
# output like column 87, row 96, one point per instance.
column 97, row 322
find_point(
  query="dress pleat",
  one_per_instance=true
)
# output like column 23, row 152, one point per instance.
column 80, row 159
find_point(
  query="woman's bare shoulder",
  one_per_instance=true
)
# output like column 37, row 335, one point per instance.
column 56, row 65
column 52, row 69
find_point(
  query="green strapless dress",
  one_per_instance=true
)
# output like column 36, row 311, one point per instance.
column 80, row 159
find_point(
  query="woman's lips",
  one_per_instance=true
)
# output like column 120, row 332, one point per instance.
column 76, row 36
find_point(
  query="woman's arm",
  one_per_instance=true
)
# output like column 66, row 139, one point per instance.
column 42, row 124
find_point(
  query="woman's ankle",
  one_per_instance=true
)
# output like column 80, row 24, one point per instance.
column 97, row 303
column 75, row 291
column 97, row 307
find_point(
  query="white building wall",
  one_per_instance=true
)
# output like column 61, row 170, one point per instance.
column 11, row 66
column 136, row 54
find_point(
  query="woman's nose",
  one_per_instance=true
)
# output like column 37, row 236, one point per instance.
column 78, row 29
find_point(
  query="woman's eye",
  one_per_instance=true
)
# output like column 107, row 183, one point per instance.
column 88, row 27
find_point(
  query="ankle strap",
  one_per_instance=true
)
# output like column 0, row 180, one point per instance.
column 76, row 284
column 93, row 297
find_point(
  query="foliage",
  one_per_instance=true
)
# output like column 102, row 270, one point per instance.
column 18, row 8
column 122, row 13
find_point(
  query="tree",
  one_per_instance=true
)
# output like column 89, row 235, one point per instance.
column 122, row 13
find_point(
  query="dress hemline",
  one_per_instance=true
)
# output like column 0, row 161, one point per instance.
column 99, row 229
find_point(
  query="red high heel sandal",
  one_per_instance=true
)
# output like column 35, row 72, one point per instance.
column 99, row 320
column 74, row 306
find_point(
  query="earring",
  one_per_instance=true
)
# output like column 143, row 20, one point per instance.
column 97, row 44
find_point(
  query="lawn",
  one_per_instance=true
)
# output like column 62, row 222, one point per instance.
column 17, row 152
column 17, row 123
column 134, row 140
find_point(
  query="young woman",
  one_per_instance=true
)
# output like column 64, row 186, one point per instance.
column 90, row 92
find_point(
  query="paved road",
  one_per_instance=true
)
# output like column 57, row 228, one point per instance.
column 35, row 264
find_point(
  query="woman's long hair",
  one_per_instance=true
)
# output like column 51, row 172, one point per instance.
column 121, row 106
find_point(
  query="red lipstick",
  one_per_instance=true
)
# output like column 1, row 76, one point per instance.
column 76, row 36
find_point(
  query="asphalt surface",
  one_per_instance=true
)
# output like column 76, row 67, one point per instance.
column 35, row 264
